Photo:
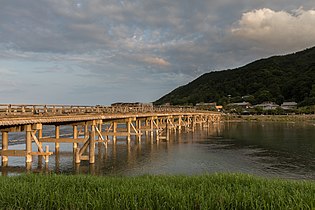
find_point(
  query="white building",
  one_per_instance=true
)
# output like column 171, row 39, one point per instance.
column 268, row 106
column 289, row 105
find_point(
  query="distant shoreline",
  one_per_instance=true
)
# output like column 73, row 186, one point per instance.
column 269, row 118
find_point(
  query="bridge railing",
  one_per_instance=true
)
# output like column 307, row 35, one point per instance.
column 48, row 109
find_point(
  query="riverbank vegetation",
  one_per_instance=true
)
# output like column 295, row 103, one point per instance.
column 272, row 118
column 220, row 191
column 306, row 110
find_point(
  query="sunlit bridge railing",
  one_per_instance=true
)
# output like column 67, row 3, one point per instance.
column 55, row 109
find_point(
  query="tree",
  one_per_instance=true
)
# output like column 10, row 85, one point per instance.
column 279, row 99
column 312, row 93
column 262, row 96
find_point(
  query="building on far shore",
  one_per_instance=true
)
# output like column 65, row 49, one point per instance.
column 268, row 106
column 219, row 108
column 289, row 105
column 244, row 105
column 209, row 106
column 134, row 104
column 206, row 106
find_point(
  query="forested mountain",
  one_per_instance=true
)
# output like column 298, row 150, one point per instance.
column 278, row 78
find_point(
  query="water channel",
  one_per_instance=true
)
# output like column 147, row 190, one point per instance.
column 269, row 149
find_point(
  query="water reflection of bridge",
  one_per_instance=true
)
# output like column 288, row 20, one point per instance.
column 91, row 126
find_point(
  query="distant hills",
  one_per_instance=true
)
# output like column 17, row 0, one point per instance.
column 278, row 79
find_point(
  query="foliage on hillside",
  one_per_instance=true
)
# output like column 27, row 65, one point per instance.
column 279, row 78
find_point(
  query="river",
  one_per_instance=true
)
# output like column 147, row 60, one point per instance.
column 268, row 149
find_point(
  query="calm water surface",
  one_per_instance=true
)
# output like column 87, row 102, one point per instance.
column 285, row 150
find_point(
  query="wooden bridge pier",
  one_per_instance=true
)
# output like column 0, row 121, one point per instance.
column 30, row 136
column 5, row 147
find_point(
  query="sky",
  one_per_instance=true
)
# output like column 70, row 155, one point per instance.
column 89, row 52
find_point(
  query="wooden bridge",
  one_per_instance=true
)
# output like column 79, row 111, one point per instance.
column 91, row 125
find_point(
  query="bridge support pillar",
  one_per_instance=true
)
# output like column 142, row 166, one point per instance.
column 92, row 144
column 139, row 130
column 86, row 130
column 208, row 121
column 5, row 146
column 40, row 145
column 157, row 129
column 28, row 157
column 146, row 125
column 193, row 123
column 167, row 129
column 179, row 128
column 128, row 130
column 77, row 156
column 75, row 136
column 174, row 128
column 114, row 132
column 151, row 126
column 100, row 137
column 57, row 135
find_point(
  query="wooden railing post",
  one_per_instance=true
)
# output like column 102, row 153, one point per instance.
column 9, row 109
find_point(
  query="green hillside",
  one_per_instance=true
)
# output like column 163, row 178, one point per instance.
column 279, row 78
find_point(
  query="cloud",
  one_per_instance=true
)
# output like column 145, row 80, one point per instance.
column 156, row 61
column 277, row 29
column 7, row 83
column 6, row 72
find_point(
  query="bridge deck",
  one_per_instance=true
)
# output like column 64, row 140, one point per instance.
column 16, row 120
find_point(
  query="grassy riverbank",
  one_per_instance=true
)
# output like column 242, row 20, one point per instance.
column 220, row 191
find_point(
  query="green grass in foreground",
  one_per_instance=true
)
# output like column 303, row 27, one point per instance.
column 220, row 191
